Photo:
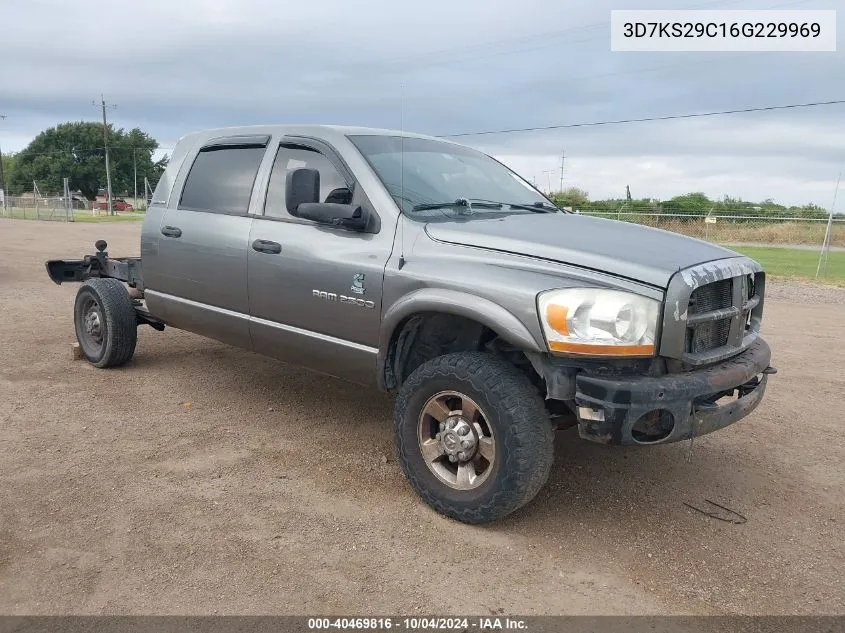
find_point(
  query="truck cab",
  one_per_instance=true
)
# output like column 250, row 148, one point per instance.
column 420, row 266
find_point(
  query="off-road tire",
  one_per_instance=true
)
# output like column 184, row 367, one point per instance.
column 119, row 323
column 517, row 416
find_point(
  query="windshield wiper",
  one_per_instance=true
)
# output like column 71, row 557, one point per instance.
column 463, row 206
column 536, row 207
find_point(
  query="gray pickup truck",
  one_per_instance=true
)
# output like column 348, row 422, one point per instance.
column 416, row 265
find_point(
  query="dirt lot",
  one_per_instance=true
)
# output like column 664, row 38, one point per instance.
column 270, row 492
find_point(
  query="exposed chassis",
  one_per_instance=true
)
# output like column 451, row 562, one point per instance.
column 126, row 269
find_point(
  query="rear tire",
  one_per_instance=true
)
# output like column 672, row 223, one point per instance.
column 105, row 322
column 482, row 411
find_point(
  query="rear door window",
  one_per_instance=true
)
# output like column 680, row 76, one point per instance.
column 221, row 179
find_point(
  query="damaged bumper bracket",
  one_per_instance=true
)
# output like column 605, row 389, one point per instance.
column 673, row 407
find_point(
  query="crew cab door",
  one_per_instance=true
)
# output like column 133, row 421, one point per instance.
column 200, row 266
column 315, row 290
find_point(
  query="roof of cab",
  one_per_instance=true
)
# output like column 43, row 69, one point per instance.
column 328, row 132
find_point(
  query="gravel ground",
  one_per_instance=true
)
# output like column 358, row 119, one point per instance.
column 204, row 479
column 806, row 292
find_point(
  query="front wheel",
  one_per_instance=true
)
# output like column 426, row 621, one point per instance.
column 105, row 322
column 473, row 436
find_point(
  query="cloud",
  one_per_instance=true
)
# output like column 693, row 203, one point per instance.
column 439, row 67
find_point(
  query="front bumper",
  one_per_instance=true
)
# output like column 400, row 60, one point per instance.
column 673, row 407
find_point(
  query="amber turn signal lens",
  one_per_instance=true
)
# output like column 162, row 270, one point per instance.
column 602, row 350
column 556, row 318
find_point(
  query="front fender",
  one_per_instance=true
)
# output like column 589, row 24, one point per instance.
column 484, row 311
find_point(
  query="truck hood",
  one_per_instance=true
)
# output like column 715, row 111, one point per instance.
column 625, row 249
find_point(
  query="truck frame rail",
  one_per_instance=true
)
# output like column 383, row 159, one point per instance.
column 126, row 269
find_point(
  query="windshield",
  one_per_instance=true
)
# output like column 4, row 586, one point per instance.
column 432, row 179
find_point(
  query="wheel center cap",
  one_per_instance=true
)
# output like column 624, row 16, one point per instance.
column 451, row 442
column 92, row 323
column 457, row 439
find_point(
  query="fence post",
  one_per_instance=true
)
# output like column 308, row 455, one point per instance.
column 825, row 254
column 68, row 205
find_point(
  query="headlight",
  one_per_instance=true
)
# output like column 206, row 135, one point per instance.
column 598, row 322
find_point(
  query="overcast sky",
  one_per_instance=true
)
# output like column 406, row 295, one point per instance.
column 174, row 66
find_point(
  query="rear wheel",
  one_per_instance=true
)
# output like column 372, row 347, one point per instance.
column 105, row 322
column 473, row 436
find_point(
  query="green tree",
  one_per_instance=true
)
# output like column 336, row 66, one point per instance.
column 74, row 150
column 690, row 204
column 570, row 197
column 695, row 203
column 133, row 149
column 8, row 170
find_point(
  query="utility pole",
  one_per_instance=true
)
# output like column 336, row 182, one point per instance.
column 562, row 158
column 549, row 179
column 2, row 175
column 106, row 146
column 135, row 175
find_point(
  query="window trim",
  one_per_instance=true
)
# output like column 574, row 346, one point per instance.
column 241, row 140
column 222, row 143
column 326, row 149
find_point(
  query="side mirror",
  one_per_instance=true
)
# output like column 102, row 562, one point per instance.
column 350, row 216
column 341, row 195
column 302, row 186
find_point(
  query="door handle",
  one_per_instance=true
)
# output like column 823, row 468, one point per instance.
column 266, row 246
column 171, row 231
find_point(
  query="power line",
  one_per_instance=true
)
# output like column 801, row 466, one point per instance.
column 112, row 150
column 499, row 47
column 526, row 129
column 536, row 128
column 645, row 119
column 437, row 96
column 525, row 85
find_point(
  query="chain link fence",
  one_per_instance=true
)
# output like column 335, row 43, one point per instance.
column 738, row 229
column 724, row 229
column 62, row 209
column 56, row 208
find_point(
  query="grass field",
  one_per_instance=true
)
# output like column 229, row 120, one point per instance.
column 123, row 217
column 79, row 215
column 759, row 231
column 789, row 262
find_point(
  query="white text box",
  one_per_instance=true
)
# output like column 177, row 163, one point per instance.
column 713, row 30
